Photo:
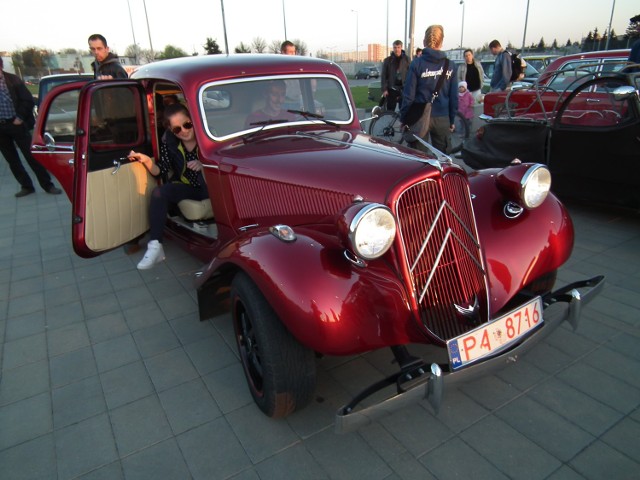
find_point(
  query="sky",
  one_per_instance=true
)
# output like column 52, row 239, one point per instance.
column 324, row 25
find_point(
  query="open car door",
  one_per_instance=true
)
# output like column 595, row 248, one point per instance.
column 595, row 143
column 110, row 195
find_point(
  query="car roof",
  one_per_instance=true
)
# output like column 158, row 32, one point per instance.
column 623, row 53
column 205, row 68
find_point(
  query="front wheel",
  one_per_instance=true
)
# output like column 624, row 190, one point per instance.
column 281, row 373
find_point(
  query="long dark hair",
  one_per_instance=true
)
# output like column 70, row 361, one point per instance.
column 172, row 109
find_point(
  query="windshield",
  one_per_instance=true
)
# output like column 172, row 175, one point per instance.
column 241, row 106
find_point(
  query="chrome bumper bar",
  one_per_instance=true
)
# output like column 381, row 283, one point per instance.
column 427, row 382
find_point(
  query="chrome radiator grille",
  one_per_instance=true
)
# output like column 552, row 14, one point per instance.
column 442, row 254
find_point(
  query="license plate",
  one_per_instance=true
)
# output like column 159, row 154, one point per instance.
column 495, row 336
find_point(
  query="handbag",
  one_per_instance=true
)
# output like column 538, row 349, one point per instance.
column 419, row 114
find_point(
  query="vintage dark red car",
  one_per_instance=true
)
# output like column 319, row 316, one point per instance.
column 319, row 238
column 553, row 86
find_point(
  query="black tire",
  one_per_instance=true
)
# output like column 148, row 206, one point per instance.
column 460, row 134
column 387, row 126
column 281, row 373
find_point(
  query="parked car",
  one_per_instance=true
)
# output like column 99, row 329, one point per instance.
column 540, row 62
column 367, row 73
column 319, row 239
column 600, row 119
column 374, row 90
column 49, row 82
column 558, row 80
column 530, row 74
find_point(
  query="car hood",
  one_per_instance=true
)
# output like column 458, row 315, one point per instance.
column 335, row 162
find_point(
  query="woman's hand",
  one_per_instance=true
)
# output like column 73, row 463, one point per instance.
column 145, row 160
column 194, row 165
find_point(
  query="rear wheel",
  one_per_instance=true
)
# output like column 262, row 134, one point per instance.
column 387, row 126
column 281, row 373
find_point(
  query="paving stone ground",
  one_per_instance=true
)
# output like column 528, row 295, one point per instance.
column 106, row 372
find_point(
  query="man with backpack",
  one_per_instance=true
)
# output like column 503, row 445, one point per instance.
column 502, row 71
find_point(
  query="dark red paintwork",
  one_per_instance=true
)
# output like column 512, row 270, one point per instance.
column 306, row 176
column 543, row 99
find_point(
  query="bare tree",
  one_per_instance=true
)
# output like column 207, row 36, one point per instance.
column 147, row 55
column 259, row 45
column 274, row 46
column 301, row 47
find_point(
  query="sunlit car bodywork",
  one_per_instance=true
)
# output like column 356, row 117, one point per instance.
column 560, row 78
column 322, row 240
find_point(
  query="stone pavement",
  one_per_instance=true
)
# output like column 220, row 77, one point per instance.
column 106, row 372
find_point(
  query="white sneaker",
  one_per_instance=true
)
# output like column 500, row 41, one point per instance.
column 154, row 254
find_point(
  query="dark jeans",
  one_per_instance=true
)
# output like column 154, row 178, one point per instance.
column 164, row 195
column 10, row 133
column 394, row 98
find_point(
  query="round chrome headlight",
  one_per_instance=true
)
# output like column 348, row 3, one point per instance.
column 526, row 184
column 372, row 231
column 536, row 184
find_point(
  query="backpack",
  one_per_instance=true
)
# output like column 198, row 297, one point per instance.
column 517, row 67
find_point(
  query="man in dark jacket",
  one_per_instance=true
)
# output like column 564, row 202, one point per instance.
column 16, row 122
column 394, row 71
column 106, row 66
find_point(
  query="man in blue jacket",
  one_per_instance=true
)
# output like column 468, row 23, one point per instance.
column 501, row 77
column 420, row 83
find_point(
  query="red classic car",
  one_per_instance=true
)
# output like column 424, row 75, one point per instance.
column 319, row 238
column 558, row 80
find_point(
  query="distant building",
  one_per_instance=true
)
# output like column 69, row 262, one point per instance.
column 377, row 52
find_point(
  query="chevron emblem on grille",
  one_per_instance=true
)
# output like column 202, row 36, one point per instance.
column 450, row 235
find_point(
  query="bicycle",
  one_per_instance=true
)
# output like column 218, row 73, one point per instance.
column 387, row 126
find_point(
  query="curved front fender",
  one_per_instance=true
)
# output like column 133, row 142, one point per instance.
column 326, row 302
column 518, row 250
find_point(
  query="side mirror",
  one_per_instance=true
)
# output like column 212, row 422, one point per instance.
column 623, row 92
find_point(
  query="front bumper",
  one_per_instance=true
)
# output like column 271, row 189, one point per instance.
column 422, row 381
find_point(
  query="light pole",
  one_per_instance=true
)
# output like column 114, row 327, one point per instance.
column 356, row 12
column 462, row 28
column 526, row 19
column 224, row 27
column 133, row 32
column 153, row 56
column 610, row 20
column 284, row 19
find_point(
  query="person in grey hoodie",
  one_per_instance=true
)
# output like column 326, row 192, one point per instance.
column 421, row 82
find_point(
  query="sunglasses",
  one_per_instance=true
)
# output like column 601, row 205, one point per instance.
column 185, row 125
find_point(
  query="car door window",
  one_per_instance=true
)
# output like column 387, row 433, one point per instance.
column 61, row 117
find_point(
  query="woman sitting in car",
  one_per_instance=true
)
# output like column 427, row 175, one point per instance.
column 179, row 158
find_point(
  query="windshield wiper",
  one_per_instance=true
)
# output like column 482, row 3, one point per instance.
column 307, row 115
column 262, row 123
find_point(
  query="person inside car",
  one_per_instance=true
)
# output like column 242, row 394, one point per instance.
column 273, row 110
column 179, row 159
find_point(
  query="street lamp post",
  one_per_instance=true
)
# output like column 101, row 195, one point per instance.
column 356, row 12
column 284, row 19
column 462, row 28
column 224, row 27
column 133, row 32
column 148, row 29
column 526, row 19
column 610, row 20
